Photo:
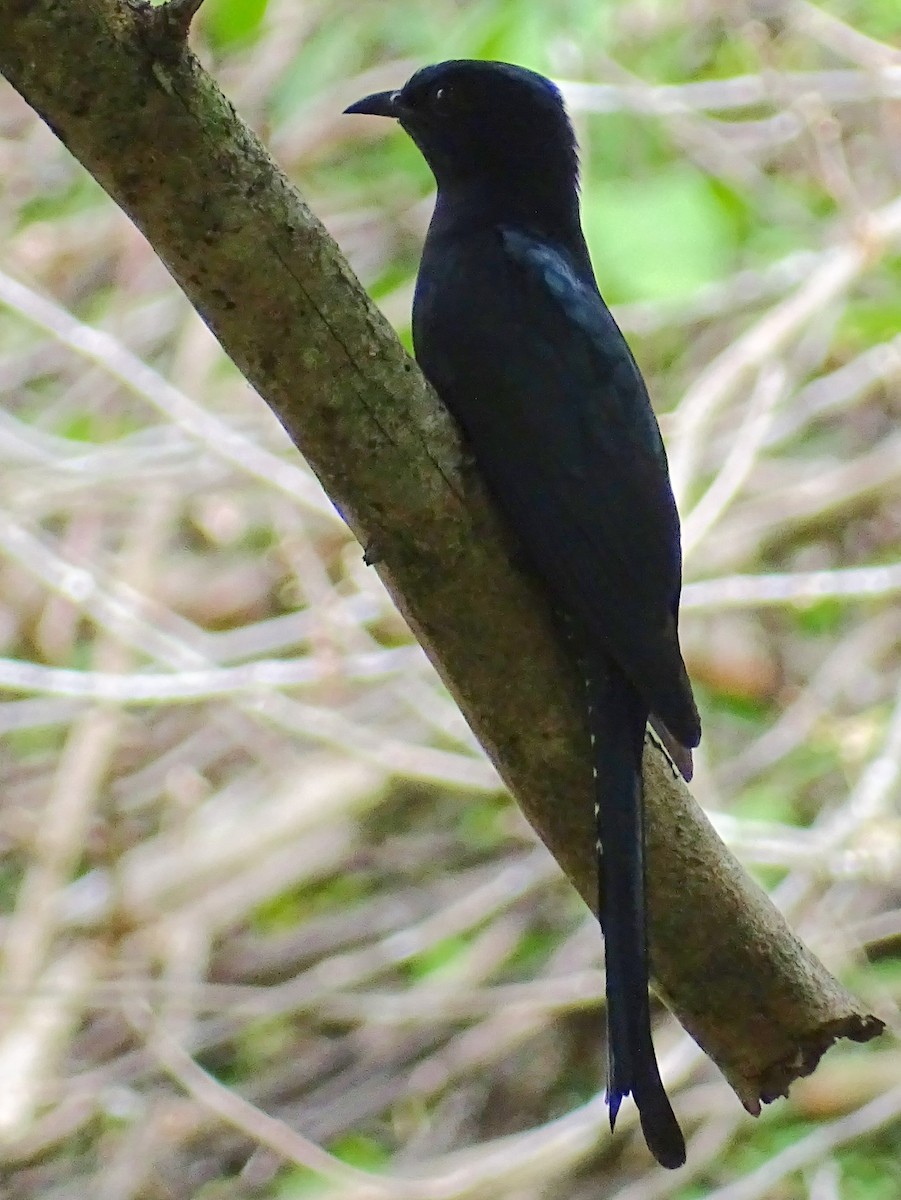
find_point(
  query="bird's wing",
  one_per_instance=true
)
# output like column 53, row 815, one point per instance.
column 562, row 427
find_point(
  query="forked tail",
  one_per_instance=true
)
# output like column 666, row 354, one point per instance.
column 617, row 725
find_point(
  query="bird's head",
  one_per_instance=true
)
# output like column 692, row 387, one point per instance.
column 486, row 124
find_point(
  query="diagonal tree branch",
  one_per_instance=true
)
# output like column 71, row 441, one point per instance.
column 156, row 132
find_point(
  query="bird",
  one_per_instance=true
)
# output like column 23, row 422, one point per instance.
column 510, row 328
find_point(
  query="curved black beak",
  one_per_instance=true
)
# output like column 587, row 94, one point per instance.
column 379, row 104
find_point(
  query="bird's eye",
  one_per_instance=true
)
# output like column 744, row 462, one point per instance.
column 440, row 95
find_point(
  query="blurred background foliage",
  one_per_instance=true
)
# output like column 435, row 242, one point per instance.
column 252, row 860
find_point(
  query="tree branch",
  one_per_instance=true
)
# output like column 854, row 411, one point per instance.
column 168, row 147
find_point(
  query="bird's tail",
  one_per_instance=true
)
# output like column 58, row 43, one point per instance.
column 617, row 725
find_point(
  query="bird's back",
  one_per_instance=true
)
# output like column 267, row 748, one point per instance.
column 512, row 332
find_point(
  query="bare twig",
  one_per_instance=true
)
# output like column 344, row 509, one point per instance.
column 169, row 23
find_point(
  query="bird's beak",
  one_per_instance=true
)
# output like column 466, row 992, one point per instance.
column 379, row 104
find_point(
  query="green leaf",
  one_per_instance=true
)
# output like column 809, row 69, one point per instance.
column 227, row 22
column 658, row 237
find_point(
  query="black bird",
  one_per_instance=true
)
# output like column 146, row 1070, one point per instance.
column 511, row 330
